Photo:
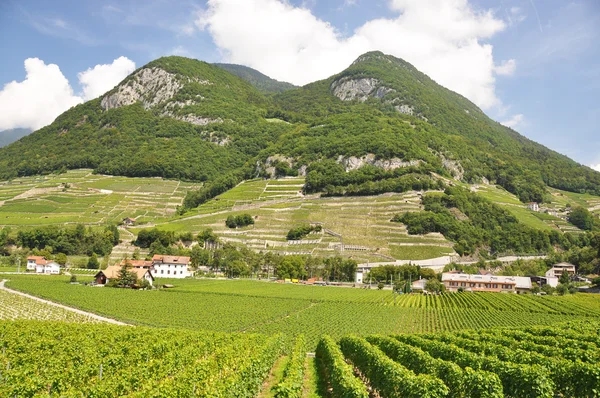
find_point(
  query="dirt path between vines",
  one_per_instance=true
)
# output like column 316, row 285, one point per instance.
column 52, row 303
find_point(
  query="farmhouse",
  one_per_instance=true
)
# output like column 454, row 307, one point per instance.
column 533, row 206
column 112, row 272
column 128, row 221
column 557, row 270
column 486, row 283
column 42, row 266
column 33, row 260
column 171, row 266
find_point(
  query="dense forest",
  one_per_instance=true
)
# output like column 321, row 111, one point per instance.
column 220, row 129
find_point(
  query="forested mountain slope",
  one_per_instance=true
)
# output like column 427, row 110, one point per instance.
column 378, row 126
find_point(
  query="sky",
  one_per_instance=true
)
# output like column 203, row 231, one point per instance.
column 533, row 65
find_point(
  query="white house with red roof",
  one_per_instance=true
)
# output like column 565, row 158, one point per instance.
column 171, row 266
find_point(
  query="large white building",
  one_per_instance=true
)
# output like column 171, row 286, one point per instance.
column 485, row 283
column 557, row 270
column 171, row 266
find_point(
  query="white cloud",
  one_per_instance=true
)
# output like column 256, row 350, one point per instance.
column 514, row 121
column 38, row 100
column 46, row 93
column 442, row 38
column 101, row 78
column 506, row 68
column 595, row 166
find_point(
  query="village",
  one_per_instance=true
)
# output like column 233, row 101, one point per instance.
column 179, row 267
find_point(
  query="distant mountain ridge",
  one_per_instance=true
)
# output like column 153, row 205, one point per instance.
column 378, row 126
column 260, row 81
column 12, row 135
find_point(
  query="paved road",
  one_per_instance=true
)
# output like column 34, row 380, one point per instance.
column 85, row 313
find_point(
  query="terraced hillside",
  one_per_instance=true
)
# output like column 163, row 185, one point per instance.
column 352, row 226
column 78, row 196
column 357, row 227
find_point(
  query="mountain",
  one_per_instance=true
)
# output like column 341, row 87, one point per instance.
column 261, row 82
column 12, row 135
column 378, row 126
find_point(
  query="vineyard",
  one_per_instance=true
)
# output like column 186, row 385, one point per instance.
column 60, row 359
column 70, row 359
column 270, row 309
column 530, row 362
column 13, row 306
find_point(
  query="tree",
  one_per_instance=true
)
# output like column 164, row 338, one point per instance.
column 562, row 289
column 380, row 286
column 125, row 277
column 93, row 262
column 581, row 218
column 61, row 258
column 136, row 254
column 434, row 285
column 535, row 288
column 564, row 278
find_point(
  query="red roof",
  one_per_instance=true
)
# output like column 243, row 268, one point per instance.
column 160, row 258
column 137, row 263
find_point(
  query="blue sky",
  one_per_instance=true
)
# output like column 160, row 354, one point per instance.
column 532, row 64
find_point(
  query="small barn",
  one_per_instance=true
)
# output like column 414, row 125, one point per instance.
column 112, row 272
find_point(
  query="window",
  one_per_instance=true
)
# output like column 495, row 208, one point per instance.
column 162, row 271
column 463, row 284
column 168, row 272
column 495, row 286
column 181, row 272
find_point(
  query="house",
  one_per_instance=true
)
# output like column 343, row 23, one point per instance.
column 359, row 277
column 419, row 285
column 44, row 266
column 557, row 270
column 33, row 260
column 128, row 221
column 486, row 283
column 533, row 206
column 112, row 272
column 171, row 266
column 545, row 280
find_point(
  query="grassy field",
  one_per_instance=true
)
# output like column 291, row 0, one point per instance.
column 270, row 308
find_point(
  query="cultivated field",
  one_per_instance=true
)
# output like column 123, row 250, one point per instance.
column 78, row 196
column 357, row 227
column 13, row 306
column 270, row 308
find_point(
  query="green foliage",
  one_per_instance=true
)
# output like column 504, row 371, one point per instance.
column 293, row 375
column 389, row 378
column 68, row 240
column 146, row 237
column 171, row 362
column 93, row 262
column 473, row 222
column 241, row 220
column 126, row 278
column 434, row 285
column 339, row 374
column 582, row 218
column 301, row 231
column 461, row 382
